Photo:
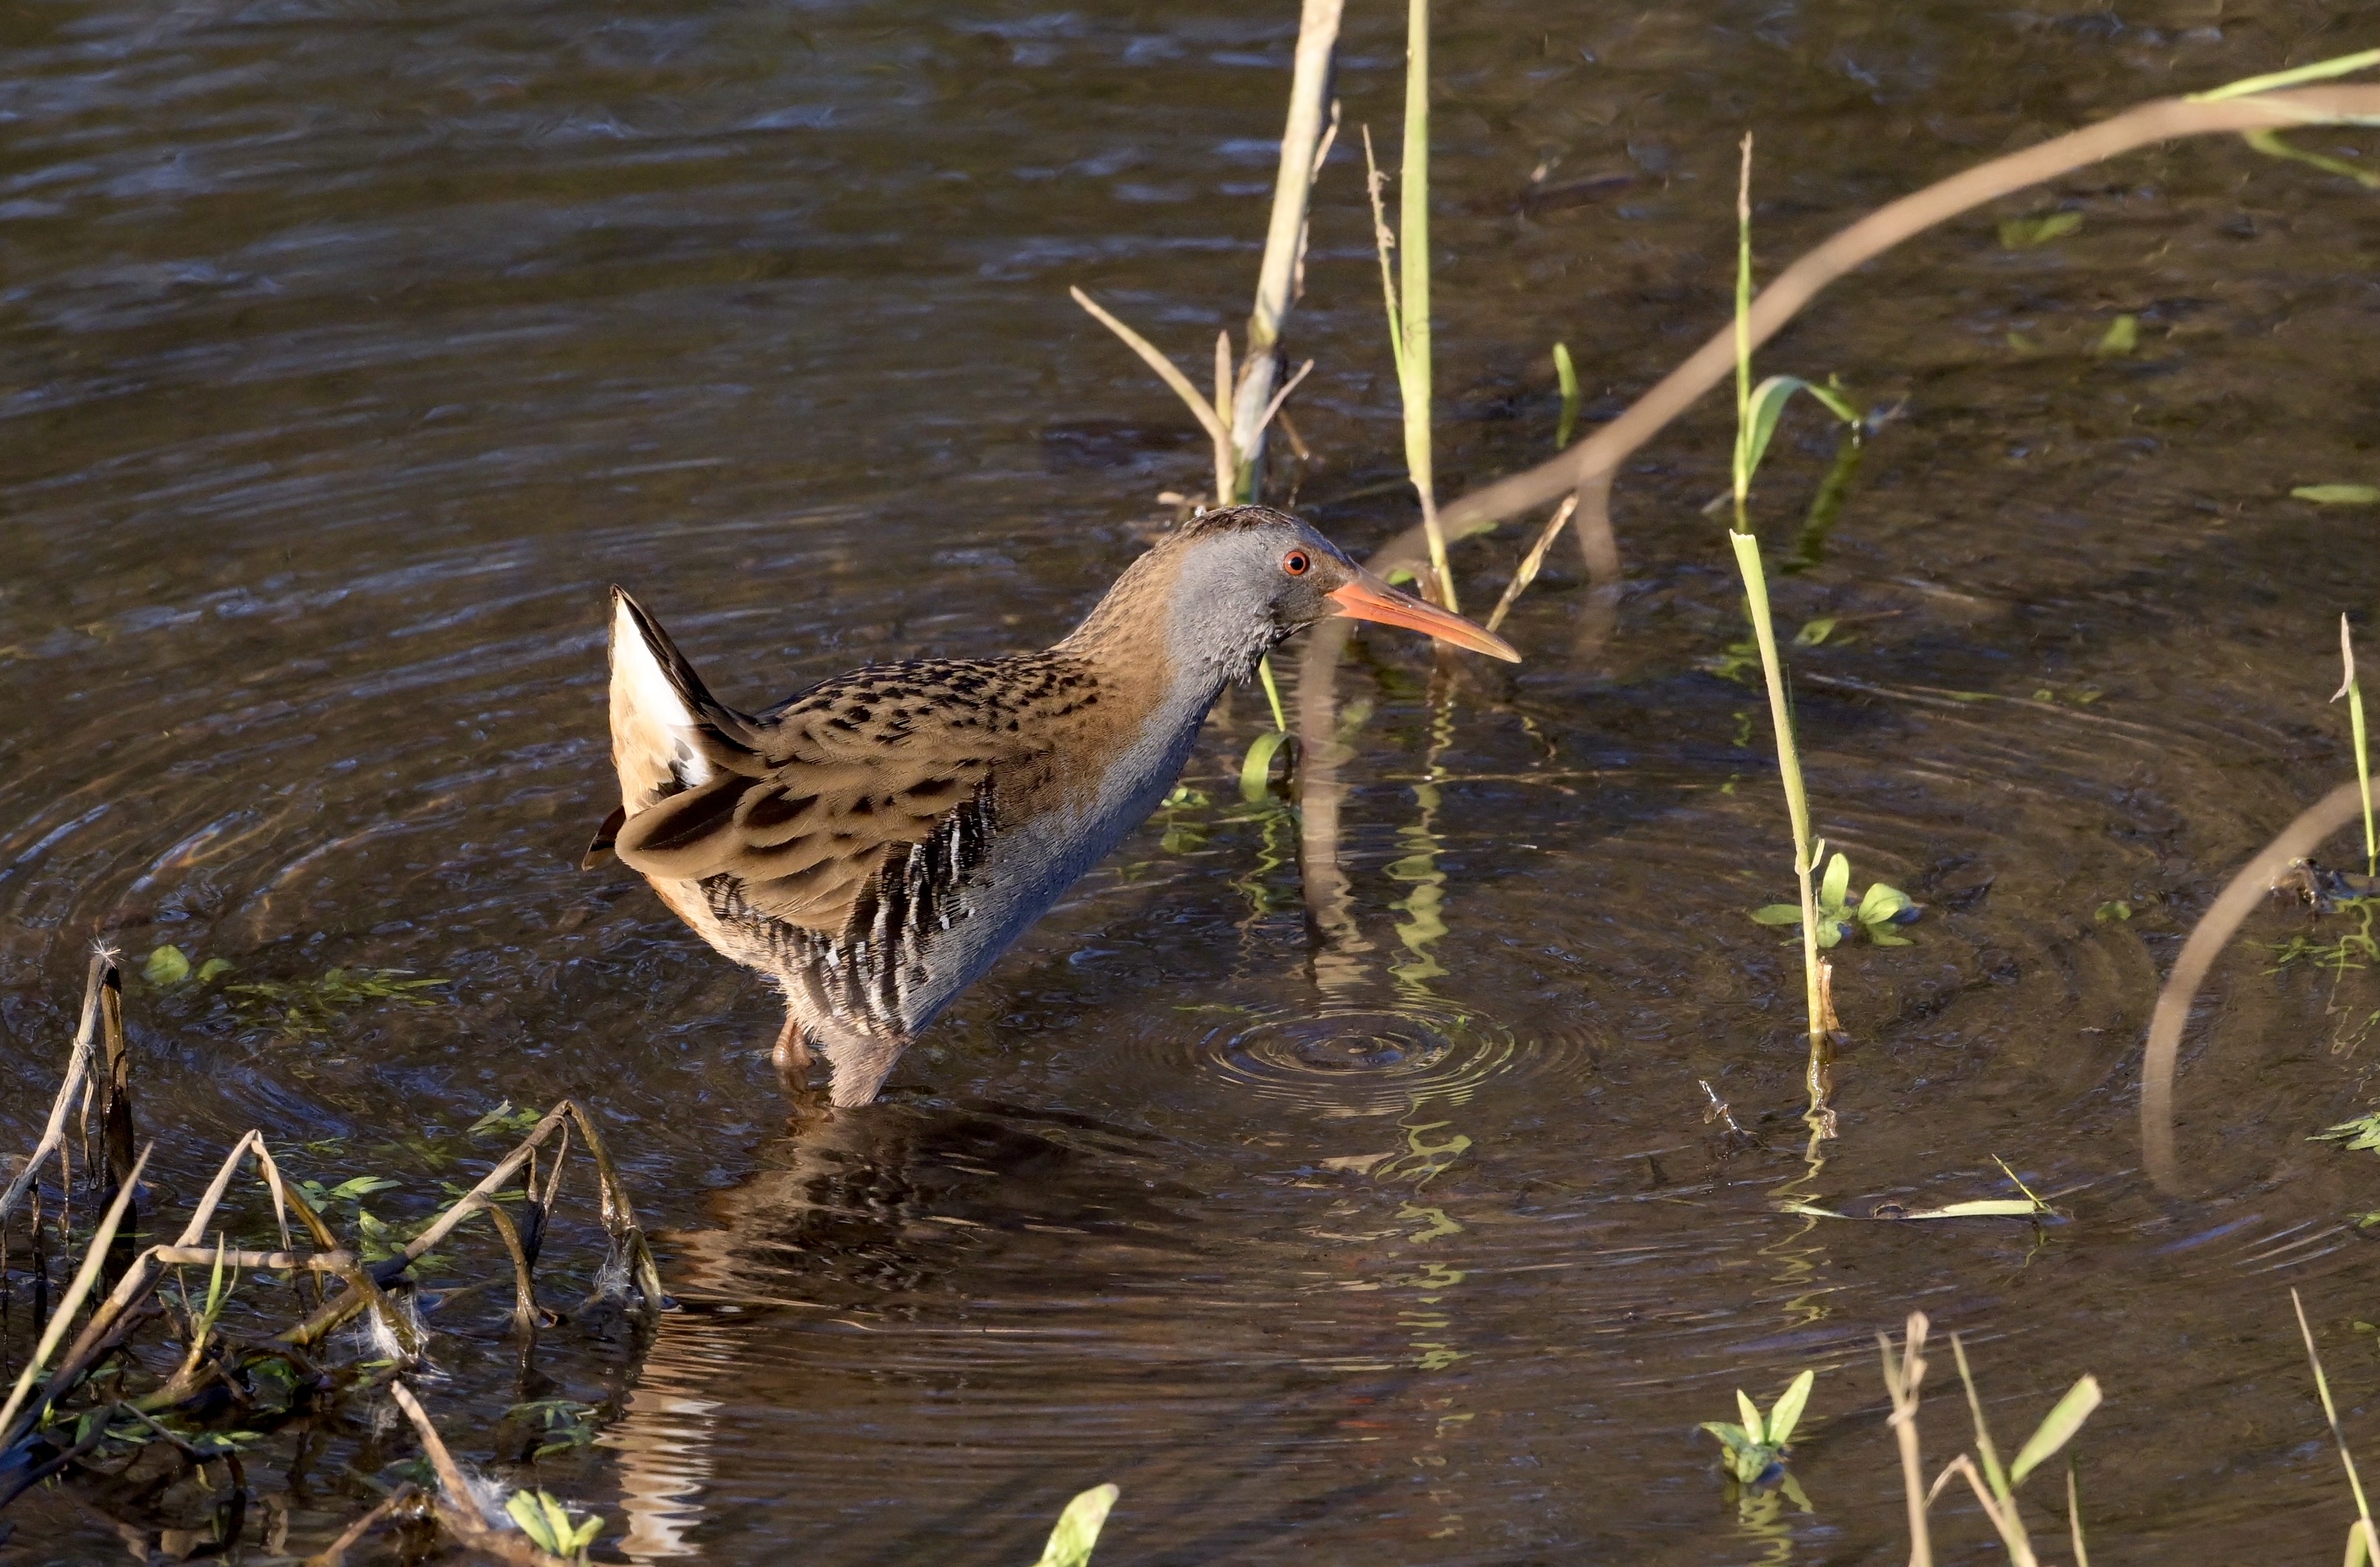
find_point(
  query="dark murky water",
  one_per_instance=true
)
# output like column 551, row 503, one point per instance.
column 352, row 351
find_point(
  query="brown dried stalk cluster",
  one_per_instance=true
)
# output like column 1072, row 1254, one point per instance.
column 100, row 1399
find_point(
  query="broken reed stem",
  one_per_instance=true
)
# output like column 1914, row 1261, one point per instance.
column 54, row 1132
column 1242, row 406
column 619, row 1222
column 1589, row 466
column 2207, row 940
column 86, row 1279
column 457, row 1508
column 1305, row 142
column 1532, row 562
column 1903, row 1375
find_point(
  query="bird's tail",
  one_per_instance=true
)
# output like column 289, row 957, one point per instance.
column 669, row 734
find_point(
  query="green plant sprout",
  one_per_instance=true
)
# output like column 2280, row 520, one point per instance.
column 169, row 965
column 2353, row 690
column 1755, row 1449
column 2025, row 233
column 1996, row 1487
column 1878, row 910
column 2121, row 339
column 2352, row 951
column 296, row 1006
column 549, row 1524
column 510, row 1121
column 1079, row 1528
column 1566, row 376
column 306, row 1006
column 2358, row 1134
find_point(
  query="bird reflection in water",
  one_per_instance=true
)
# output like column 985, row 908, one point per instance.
column 872, row 1248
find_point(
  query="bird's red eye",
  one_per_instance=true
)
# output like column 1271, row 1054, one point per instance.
column 1295, row 562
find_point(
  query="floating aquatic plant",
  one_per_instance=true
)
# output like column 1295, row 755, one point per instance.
column 1755, row 1449
column 1876, row 913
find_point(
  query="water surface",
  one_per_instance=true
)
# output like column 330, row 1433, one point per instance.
column 353, row 352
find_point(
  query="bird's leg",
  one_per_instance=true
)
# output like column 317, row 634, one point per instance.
column 793, row 1053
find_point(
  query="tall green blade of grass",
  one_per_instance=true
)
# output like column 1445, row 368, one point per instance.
column 1405, row 286
column 2353, row 690
column 1413, row 275
column 1750, row 438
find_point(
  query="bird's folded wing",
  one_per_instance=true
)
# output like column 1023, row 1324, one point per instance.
column 840, row 783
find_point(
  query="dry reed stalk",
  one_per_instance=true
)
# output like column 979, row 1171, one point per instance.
column 85, row 1279
column 1904, row 1372
column 1305, row 142
column 459, row 1509
column 2207, row 940
column 54, row 1132
column 1246, row 400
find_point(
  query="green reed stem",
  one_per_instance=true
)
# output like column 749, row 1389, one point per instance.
column 1272, row 693
column 2352, row 690
column 1764, row 631
column 1413, row 275
column 1566, row 376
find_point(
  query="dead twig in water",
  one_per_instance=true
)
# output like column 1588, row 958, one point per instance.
column 2214, row 932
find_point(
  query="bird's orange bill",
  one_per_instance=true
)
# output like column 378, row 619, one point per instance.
column 1368, row 598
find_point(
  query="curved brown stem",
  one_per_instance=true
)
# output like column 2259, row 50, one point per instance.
column 1599, row 455
column 2216, row 928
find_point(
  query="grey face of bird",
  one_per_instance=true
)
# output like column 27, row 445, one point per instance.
column 1264, row 583
column 1245, row 579
column 1241, row 592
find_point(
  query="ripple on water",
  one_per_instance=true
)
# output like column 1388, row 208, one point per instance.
column 1350, row 1058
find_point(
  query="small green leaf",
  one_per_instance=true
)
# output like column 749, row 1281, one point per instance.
column 1751, row 1413
column 2056, row 1429
column 1566, row 373
column 1787, row 1411
column 2115, row 909
column 2123, row 337
column 2023, row 234
column 2338, row 494
column 1079, row 1528
column 1256, row 769
column 166, row 966
column 1830, row 934
column 1836, row 886
column 1777, row 913
column 212, row 968
column 1813, row 632
column 545, row 1521
column 1767, row 406
column 1881, row 904
column 1883, row 938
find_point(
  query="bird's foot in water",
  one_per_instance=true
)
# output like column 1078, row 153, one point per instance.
column 793, row 1059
